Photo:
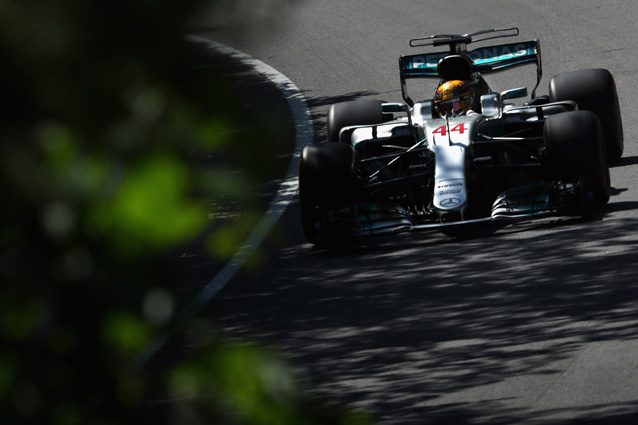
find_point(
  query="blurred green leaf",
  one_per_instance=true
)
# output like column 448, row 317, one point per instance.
column 214, row 134
column 126, row 333
column 61, row 147
column 228, row 238
column 247, row 383
column 151, row 209
column 225, row 242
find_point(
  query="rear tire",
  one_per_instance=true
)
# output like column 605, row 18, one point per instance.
column 357, row 112
column 593, row 90
column 574, row 151
column 326, row 182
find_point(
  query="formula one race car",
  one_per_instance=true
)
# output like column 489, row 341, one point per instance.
column 467, row 156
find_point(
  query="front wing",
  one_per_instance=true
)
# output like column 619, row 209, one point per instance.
column 529, row 202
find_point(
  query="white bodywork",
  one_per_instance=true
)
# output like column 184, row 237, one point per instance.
column 449, row 141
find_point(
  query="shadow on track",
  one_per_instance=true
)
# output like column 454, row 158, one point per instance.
column 426, row 328
column 418, row 321
column 314, row 102
column 613, row 414
column 625, row 161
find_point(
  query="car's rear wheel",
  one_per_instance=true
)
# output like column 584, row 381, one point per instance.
column 593, row 90
column 356, row 112
column 574, row 151
column 326, row 183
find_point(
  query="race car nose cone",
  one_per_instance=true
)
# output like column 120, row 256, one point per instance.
column 450, row 192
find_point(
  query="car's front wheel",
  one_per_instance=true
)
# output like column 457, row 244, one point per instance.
column 574, row 151
column 326, row 185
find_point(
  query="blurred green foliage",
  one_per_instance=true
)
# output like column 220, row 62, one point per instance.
column 104, row 121
column 262, row 394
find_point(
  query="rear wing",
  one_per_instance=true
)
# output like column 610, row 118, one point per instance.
column 486, row 60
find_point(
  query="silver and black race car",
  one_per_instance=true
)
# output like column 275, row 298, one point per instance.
column 395, row 167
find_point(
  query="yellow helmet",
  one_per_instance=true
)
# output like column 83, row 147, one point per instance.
column 455, row 97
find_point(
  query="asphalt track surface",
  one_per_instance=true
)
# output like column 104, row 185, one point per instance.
column 535, row 324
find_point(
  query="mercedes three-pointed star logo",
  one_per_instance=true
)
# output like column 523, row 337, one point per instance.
column 450, row 202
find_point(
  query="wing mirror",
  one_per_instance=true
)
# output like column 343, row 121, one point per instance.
column 514, row 93
column 395, row 108
column 491, row 106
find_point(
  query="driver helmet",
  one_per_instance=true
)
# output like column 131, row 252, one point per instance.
column 457, row 97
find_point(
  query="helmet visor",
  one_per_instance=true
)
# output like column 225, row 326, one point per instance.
column 454, row 106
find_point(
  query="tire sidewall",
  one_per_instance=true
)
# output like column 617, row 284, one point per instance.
column 574, row 150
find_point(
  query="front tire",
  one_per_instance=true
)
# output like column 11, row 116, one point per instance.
column 326, row 183
column 574, row 151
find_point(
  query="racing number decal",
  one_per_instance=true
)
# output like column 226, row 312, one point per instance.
column 442, row 130
column 459, row 127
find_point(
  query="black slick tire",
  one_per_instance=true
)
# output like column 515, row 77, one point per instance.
column 326, row 182
column 356, row 112
column 574, row 150
column 594, row 90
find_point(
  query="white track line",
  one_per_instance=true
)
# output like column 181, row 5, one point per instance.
column 285, row 194
column 288, row 187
